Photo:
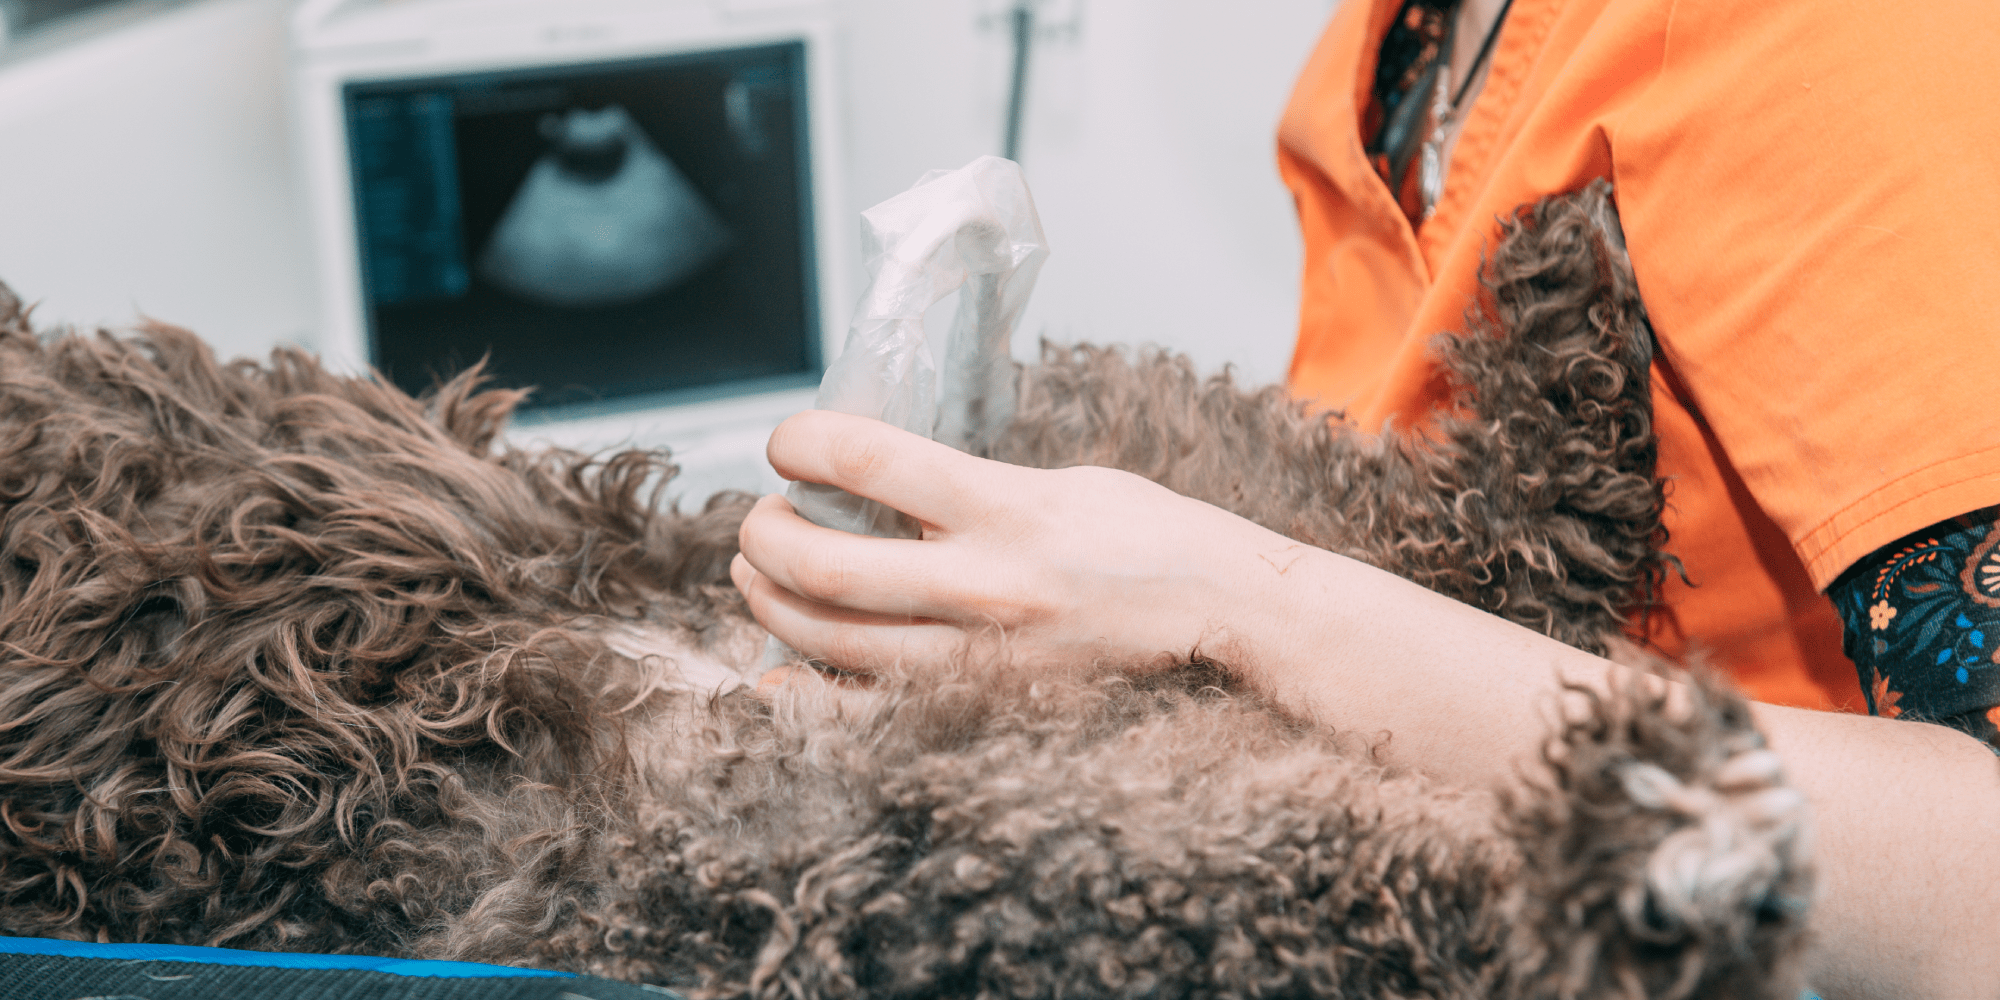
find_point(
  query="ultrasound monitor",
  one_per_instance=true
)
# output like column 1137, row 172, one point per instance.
column 622, row 225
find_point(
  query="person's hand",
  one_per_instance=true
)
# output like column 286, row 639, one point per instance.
column 1065, row 564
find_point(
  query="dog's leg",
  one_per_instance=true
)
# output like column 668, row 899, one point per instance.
column 1550, row 454
column 1667, row 860
column 1534, row 499
column 1242, row 450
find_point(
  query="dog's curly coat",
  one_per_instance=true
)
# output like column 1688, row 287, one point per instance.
column 291, row 661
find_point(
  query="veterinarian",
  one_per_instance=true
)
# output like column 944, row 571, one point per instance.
column 1809, row 194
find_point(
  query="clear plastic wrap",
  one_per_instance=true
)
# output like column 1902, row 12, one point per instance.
column 974, row 227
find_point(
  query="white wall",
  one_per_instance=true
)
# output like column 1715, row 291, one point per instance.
column 148, row 170
column 1149, row 143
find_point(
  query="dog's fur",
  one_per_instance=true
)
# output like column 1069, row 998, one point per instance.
column 291, row 661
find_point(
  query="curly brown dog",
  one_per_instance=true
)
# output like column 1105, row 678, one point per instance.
column 292, row 661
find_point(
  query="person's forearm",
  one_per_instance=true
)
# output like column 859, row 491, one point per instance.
column 1461, row 694
column 1907, row 816
column 1907, row 850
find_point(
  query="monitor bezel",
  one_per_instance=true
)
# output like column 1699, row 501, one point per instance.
column 446, row 38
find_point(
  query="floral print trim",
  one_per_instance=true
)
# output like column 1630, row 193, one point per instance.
column 1922, row 621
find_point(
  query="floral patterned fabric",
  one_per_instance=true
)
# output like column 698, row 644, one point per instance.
column 1413, row 53
column 1922, row 620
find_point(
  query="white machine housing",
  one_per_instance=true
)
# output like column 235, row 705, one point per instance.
column 717, row 432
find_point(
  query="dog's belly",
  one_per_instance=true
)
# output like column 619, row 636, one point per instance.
column 667, row 659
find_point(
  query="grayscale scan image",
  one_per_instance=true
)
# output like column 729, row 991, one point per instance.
column 603, row 218
column 625, row 232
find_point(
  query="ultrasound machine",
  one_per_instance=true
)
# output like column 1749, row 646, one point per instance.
column 631, row 207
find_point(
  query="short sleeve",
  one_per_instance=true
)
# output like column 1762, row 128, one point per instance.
column 1812, row 192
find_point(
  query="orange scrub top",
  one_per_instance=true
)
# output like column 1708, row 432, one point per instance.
column 1811, row 194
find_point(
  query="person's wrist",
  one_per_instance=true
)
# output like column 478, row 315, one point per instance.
column 1279, row 612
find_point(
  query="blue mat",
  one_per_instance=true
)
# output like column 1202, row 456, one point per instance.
column 267, row 959
column 44, row 969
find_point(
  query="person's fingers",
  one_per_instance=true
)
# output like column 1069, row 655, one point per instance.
column 869, row 458
column 897, row 578
column 766, row 594
column 778, row 677
column 843, row 638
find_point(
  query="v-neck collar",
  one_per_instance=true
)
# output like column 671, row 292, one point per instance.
column 1521, row 37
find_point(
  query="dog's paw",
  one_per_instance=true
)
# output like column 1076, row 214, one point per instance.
column 1670, row 858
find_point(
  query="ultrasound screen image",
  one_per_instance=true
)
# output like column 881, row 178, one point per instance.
column 602, row 233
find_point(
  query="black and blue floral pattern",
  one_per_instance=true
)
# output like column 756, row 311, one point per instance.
column 1922, row 621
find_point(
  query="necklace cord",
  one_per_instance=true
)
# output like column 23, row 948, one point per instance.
column 1485, row 49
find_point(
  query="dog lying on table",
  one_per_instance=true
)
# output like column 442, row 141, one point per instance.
column 289, row 660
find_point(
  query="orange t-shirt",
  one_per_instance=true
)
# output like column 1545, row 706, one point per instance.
column 1811, row 194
